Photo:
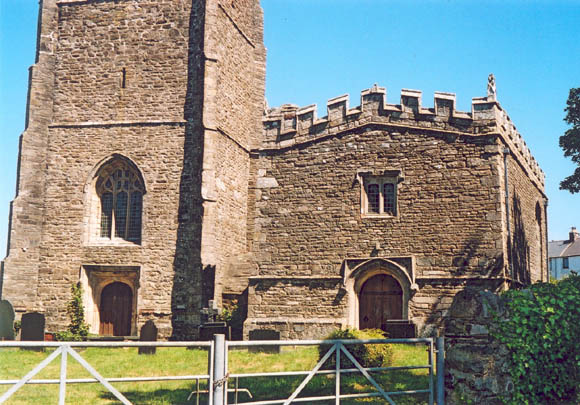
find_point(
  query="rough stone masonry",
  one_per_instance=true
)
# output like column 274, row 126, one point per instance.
column 151, row 172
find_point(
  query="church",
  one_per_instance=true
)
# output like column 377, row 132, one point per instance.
column 152, row 172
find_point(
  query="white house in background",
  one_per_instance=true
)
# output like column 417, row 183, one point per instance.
column 564, row 255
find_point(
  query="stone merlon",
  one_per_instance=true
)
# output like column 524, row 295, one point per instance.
column 290, row 125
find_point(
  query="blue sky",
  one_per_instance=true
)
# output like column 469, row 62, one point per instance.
column 319, row 49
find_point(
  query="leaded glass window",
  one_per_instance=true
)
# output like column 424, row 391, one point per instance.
column 380, row 195
column 389, row 198
column 373, row 198
column 121, row 194
column 121, row 215
column 135, row 218
column 106, row 214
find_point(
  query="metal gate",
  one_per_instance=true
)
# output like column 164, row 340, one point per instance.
column 222, row 377
column 219, row 380
column 64, row 349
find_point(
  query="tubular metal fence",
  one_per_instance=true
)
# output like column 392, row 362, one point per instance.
column 219, row 378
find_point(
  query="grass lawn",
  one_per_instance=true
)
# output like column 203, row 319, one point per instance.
column 125, row 362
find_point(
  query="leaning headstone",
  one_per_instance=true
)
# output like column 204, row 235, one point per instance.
column 264, row 334
column 32, row 328
column 6, row 320
column 148, row 334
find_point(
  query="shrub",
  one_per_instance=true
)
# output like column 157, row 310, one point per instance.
column 17, row 327
column 368, row 355
column 540, row 328
column 232, row 314
column 77, row 328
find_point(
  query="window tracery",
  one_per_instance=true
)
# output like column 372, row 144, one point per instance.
column 120, row 190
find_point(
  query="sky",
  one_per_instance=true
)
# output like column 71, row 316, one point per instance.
column 320, row 49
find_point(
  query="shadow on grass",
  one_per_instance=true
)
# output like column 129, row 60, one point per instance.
column 276, row 388
column 271, row 388
column 164, row 396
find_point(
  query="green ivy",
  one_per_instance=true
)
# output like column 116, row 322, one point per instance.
column 77, row 328
column 541, row 330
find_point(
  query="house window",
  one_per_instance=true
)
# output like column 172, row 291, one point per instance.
column 379, row 195
column 565, row 263
column 120, row 190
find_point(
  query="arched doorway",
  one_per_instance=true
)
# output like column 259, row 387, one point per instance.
column 380, row 299
column 116, row 310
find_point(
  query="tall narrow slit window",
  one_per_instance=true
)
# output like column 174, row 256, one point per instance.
column 121, row 195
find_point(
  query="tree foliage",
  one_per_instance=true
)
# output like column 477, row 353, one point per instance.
column 540, row 329
column 570, row 141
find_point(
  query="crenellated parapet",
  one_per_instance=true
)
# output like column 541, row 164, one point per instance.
column 290, row 125
column 517, row 145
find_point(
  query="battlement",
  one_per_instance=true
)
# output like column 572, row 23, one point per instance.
column 290, row 125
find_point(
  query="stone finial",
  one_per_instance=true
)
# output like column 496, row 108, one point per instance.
column 491, row 90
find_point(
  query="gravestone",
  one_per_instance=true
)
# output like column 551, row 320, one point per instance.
column 208, row 330
column 399, row 329
column 6, row 320
column 211, row 312
column 148, row 334
column 264, row 334
column 32, row 328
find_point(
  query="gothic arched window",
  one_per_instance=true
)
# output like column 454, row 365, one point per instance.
column 120, row 190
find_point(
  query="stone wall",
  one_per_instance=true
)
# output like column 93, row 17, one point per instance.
column 20, row 267
column 127, row 83
column 175, row 87
column 122, row 60
column 64, row 248
column 233, row 108
column 528, row 226
column 308, row 208
column 297, row 307
column 475, row 365
column 240, row 202
column 307, row 221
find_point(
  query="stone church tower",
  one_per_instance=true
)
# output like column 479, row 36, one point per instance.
column 134, row 165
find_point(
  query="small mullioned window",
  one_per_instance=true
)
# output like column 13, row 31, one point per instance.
column 379, row 194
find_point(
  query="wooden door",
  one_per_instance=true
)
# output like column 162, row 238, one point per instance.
column 380, row 299
column 116, row 310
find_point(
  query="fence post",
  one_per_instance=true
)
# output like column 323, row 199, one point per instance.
column 63, row 370
column 219, row 370
column 440, row 343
